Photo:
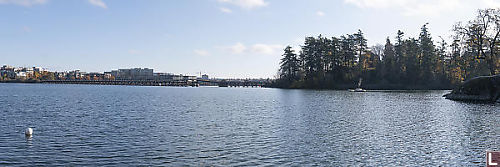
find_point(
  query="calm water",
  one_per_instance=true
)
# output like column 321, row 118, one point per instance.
column 173, row 126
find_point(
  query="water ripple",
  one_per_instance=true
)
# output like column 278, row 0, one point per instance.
column 94, row 125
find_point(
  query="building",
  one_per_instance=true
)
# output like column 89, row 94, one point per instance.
column 38, row 69
column 10, row 72
column 7, row 72
column 173, row 77
column 204, row 76
column 21, row 75
column 95, row 76
column 178, row 77
column 60, row 75
column 74, row 75
column 163, row 76
column 29, row 71
column 133, row 74
column 189, row 78
column 108, row 76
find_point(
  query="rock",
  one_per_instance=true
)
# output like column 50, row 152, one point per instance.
column 482, row 89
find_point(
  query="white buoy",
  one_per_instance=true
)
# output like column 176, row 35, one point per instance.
column 28, row 132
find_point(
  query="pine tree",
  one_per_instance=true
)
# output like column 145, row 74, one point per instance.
column 427, row 56
column 289, row 65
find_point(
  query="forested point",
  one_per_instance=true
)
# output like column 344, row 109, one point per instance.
column 404, row 63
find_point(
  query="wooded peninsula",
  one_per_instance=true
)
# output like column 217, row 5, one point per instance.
column 402, row 63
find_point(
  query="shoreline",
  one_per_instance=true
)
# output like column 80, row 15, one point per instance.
column 375, row 87
column 369, row 88
column 21, row 81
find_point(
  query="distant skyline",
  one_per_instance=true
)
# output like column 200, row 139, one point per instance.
column 221, row 38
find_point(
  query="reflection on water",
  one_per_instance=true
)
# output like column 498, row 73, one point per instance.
column 113, row 125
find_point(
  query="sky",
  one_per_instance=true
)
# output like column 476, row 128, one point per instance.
column 221, row 38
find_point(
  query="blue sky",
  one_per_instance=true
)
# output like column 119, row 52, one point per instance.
column 222, row 38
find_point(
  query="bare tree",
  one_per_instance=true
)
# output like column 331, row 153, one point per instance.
column 482, row 35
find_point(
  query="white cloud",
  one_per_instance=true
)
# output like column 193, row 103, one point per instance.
column 226, row 10
column 246, row 4
column 320, row 13
column 26, row 3
column 413, row 7
column 201, row 52
column 237, row 48
column 98, row 3
column 266, row 49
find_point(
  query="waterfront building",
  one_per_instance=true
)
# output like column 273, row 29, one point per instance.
column 93, row 76
column 7, row 67
column 7, row 72
column 204, row 76
column 21, row 75
column 29, row 71
column 108, row 76
column 38, row 69
column 39, row 73
column 177, row 77
column 163, row 76
column 133, row 74
column 11, row 72
column 189, row 78
column 76, row 74
column 60, row 75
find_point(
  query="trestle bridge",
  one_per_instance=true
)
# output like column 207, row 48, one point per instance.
column 192, row 83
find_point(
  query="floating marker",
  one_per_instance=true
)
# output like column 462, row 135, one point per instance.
column 28, row 132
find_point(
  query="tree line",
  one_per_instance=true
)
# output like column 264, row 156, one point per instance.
column 401, row 63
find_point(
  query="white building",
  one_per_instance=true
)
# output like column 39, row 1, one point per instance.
column 21, row 74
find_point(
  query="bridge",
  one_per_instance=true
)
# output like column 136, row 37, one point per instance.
column 127, row 82
column 243, row 83
column 192, row 83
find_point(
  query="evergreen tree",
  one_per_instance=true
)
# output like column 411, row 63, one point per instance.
column 412, row 70
column 399, row 57
column 389, row 60
column 427, row 55
column 289, row 65
column 409, row 63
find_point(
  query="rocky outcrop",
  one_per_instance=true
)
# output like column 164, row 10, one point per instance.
column 483, row 89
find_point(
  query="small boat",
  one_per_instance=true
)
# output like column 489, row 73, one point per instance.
column 358, row 89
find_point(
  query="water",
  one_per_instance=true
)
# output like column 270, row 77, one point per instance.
column 81, row 125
